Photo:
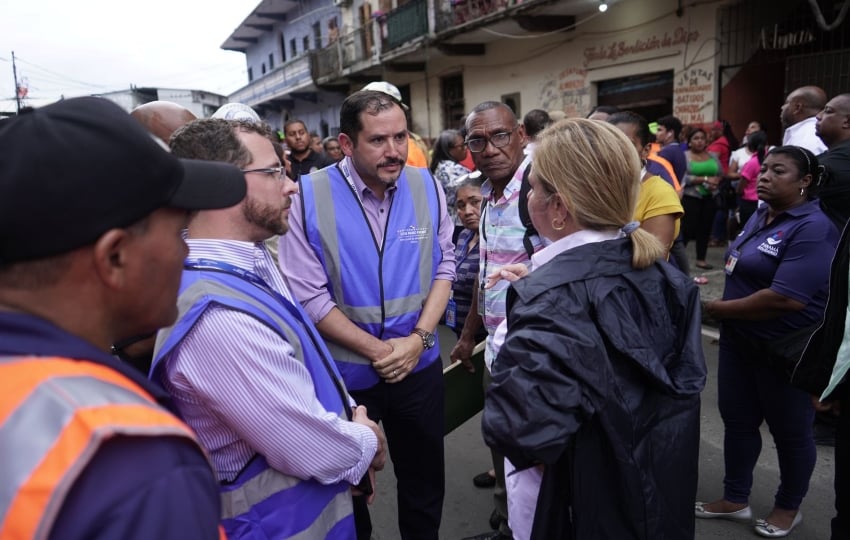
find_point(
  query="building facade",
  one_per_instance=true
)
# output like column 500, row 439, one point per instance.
column 702, row 61
column 201, row 104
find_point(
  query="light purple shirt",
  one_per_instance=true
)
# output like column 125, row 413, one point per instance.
column 237, row 383
column 304, row 270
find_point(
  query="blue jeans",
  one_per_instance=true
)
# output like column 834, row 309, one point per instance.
column 747, row 395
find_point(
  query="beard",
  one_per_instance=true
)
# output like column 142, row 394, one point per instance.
column 266, row 216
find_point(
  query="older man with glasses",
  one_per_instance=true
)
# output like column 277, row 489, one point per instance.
column 496, row 140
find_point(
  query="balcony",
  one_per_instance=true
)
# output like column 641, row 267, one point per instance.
column 406, row 22
column 453, row 13
column 289, row 77
column 352, row 52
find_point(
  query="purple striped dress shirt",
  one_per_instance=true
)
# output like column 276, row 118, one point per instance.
column 238, row 385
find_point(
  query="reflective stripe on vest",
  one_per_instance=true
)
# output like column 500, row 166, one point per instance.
column 669, row 168
column 54, row 415
column 262, row 502
column 200, row 289
column 379, row 285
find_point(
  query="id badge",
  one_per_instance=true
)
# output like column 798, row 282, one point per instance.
column 732, row 261
column 451, row 314
column 481, row 301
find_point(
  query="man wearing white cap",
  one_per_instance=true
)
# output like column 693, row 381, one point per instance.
column 417, row 153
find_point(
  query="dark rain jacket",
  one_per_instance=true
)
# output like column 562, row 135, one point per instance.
column 814, row 369
column 599, row 379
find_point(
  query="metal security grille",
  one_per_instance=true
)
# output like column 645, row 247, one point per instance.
column 831, row 70
column 769, row 31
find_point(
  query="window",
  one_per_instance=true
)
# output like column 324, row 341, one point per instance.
column 282, row 48
column 306, row 43
column 263, row 68
column 250, row 74
column 271, row 61
column 317, row 34
column 293, row 51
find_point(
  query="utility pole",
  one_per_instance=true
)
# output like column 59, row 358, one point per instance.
column 17, row 88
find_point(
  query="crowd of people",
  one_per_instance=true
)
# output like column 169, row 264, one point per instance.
column 241, row 324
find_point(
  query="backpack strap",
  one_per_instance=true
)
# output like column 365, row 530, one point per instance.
column 524, row 216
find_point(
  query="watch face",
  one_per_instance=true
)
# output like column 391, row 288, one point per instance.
column 430, row 340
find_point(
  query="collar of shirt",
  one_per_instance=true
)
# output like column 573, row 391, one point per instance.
column 251, row 256
column 359, row 184
column 801, row 210
column 578, row 238
column 797, row 129
column 22, row 334
column 513, row 186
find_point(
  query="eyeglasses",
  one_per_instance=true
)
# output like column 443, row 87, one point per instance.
column 276, row 173
column 498, row 140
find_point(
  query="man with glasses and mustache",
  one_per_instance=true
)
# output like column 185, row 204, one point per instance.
column 247, row 367
column 371, row 259
column 496, row 138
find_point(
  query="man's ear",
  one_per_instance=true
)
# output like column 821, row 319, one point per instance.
column 110, row 257
column 346, row 144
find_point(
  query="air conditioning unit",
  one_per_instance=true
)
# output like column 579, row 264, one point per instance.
column 342, row 3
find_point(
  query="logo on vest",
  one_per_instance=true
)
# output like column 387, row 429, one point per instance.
column 771, row 245
column 412, row 234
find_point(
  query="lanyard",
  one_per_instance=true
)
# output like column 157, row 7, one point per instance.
column 346, row 173
column 295, row 311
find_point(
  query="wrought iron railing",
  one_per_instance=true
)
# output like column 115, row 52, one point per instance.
column 349, row 50
column 406, row 22
column 286, row 77
column 453, row 13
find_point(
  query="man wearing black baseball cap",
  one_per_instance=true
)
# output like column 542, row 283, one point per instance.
column 91, row 252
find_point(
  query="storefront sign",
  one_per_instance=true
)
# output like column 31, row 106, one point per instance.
column 774, row 40
column 692, row 93
column 566, row 91
column 620, row 49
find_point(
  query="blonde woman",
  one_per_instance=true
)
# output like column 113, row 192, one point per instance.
column 595, row 394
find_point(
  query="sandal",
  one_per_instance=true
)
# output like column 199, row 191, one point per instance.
column 700, row 280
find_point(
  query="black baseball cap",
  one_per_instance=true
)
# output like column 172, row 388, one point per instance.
column 75, row 169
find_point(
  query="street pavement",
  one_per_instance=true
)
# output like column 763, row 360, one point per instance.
column 467, row 508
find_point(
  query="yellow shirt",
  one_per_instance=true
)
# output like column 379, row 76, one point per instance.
column 658, row 198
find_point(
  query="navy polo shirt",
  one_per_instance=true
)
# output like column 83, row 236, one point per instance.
column 135, row 488
column 790, row 256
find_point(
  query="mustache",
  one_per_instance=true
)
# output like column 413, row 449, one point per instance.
column 390, row 163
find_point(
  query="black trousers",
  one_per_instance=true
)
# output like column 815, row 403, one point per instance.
column 411, row 413
column 696, row 223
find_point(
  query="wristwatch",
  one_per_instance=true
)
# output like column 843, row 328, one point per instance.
column 428, row 339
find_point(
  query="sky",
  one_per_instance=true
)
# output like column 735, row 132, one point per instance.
column 83, row 47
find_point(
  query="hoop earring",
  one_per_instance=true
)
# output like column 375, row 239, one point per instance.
column 802, row 192
column 561, row 228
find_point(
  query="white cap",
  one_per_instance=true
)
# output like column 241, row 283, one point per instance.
column 387, row 88
column 236, row 111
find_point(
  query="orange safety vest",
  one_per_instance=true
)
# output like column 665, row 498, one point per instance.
column 416, row 154
column 653, row 155
column 54, row 414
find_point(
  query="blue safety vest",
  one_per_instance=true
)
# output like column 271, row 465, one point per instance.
column 379, row 285
column 263, row 503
